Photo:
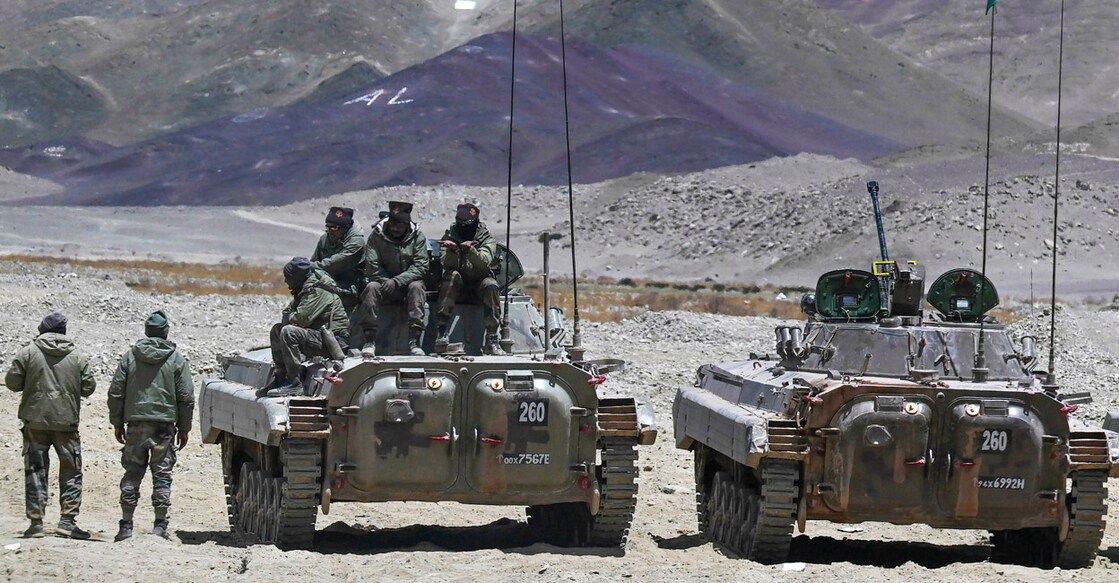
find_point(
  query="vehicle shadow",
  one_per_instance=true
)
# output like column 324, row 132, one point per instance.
column 505, row 535
column 824, row 550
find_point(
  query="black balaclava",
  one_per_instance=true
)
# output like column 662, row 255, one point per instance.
column 466, row 219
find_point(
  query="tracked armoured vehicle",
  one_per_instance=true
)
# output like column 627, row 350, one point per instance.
column 874, row 412
column 530, row 428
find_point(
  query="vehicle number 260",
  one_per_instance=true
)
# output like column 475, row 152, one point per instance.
column 532, row 412
column 995, row 440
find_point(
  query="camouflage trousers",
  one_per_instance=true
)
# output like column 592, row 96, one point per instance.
column 363, row 322
column 147, row 444
column 36, row 464
column 486, row 289
column 291, row 345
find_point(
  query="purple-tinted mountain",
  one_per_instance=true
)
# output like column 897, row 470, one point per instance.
column 446, row 121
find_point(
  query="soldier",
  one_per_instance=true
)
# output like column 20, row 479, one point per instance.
column 468, row 255
column 397, row 259
column 341, row 253
column 151, row 403
column 52, row 375
column 299, row 334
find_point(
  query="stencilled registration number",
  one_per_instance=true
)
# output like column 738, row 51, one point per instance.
column 526, row 459
column 1003, row 483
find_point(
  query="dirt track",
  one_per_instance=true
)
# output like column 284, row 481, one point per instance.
column 446, row 541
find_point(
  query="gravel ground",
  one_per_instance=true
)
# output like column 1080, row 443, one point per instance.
column 452, row 541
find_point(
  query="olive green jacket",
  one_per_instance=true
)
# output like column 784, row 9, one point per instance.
column 405, row 261
column 343, row 259
column 53, row 376
column 152, row 383
column 316, row 305
column 473, row 263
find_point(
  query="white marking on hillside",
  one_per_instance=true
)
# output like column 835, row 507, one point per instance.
column 465, row 5
column 251, row 216
column 370, row 98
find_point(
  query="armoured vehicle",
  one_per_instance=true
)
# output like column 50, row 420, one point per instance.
column 875, row 412
column 531, row 427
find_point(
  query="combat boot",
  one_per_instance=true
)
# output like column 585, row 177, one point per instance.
column 441, row 339
column 293, row 388
column 68, row 528
column 125, row 531
column 35, row 530
column 491, row 345
column 161, row 530
column 414, row 342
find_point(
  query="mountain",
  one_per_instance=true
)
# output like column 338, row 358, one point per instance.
column 446, row 121
column 952, row 37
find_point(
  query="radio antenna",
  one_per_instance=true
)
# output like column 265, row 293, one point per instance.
column 979, row 371
column 576, row 351
column 1051, row 376
column 506, row 341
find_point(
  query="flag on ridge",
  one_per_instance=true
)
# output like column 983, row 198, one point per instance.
column 990, row 5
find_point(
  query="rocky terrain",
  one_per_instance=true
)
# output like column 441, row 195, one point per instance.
column 782, row 221
column 450, row 541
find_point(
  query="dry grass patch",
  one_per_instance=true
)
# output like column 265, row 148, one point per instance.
column 178, row 277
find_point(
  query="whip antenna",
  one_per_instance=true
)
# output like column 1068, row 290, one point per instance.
column 979, row 371
column 576, row 349
column 1051, row 376
column 506, row 341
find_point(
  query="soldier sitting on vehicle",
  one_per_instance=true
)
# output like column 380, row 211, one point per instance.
column 341, row 253
column 397, row 260
column 299, row 335
column 469, row 251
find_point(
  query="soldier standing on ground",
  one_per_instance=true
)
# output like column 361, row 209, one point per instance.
column 299, row 334
column 53, row 377
column 397, row 260
column 151, row 405
column 340, row 252
column 468, row 255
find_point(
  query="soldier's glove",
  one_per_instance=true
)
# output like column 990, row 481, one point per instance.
column 389, row 287
column 118, row 432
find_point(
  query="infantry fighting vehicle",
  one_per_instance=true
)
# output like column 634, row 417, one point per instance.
column 874, row 412
column 531, row 427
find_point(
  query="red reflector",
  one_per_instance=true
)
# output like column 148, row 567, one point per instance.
column 1069, row 409
column 596, row 380
column 338, row 483
column 332, row 380
column 444, row 437
column 1052, row 510
column 491, row 440
column 812, row 503
column 585, row 428
column 919, row 462
column 812, row 400
column 967, row 464
column 584, row 482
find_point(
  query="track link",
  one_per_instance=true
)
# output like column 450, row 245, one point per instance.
column 618, row 484
column 299, row 492
column 1087, row 505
